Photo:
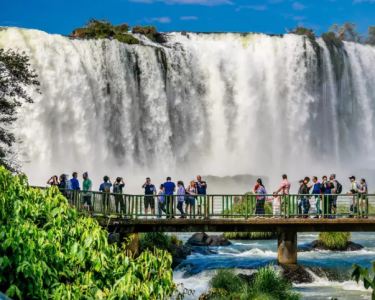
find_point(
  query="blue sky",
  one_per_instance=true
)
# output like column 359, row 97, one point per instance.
column 269, row 16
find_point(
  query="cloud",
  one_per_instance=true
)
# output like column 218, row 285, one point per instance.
column 299, row 18
column 189, row 18
column 363, row 1
column 163, row 20
column 187, row 2
column 252, row 7
column 298, row 6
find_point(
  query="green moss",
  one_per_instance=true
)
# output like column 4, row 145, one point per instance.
column 335, row 240
column 126, row 38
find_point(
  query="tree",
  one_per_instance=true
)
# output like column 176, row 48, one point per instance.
column 371, row 35
column 346, row 32
column 15, row 75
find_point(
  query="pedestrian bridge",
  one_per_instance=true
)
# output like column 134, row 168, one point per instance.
column 125, row 214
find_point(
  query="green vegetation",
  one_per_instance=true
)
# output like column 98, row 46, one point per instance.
column 239, row 208
column 363, row 274
column 96, row 29
column 159, row 240
column 48, row 250
column 250, row 235
column 15, row 76
column 335, row 240
column 265, row 284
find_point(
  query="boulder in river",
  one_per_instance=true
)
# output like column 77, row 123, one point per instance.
column 319, row 245
column 296, row 274
column 203, row 239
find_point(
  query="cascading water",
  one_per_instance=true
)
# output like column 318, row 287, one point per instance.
column 219, row 104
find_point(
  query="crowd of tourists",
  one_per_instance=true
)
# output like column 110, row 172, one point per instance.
column 165, row 196
column 313, row 195
column 317, row 197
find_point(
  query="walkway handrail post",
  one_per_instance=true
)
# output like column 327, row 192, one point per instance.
column 246, row 206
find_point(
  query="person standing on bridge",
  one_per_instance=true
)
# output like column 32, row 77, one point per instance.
column 105, row 188
column 362, row 197
column 181, row 198
column 161, row 201
column 149, row 199
column 281, row 192
column 316, row 193
column 192, row 192
column 53, row 181
column 118, row 187
column 74, row 183
column 304, row 204
column 86, row 188
column 354, row 187
column 261, row 192
column 326, row 191
column 202, row 191
column 169, row 189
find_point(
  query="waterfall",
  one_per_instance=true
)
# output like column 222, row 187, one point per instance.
column 221, row 104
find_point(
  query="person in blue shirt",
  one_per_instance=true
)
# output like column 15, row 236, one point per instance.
column 169, row 189
column 149, row 200
column 105, row 188
column 201, row 191
column 74, row 183
column 316, row 192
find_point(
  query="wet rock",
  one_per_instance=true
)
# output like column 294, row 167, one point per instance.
column 203, row 239
column 179, row 254
column 296, row 274
column 318, row 245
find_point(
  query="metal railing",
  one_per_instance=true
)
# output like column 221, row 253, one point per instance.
column 221, row 206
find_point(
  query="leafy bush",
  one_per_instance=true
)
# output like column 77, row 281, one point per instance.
column 268, row 281
column 265, row 284
column 362, row 274
column 335, row 240
column 96, row 29
column 228, row 281
column 48, row 250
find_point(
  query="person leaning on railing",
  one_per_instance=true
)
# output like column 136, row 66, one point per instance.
column 354, row 187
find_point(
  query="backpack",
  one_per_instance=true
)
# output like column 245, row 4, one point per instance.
column 107, row 188
column 339, row 187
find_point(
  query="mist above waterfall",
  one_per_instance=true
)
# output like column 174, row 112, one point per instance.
column 220, row 104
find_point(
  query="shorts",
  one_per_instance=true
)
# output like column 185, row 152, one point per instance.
column 149, row 202
column 86, row 199
column 190, row 201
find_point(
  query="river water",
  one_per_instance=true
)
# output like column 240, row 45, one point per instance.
column 330, row 269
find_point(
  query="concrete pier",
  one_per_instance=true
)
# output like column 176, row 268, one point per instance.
column 287, row 247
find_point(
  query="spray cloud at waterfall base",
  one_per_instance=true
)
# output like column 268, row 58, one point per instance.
column 219, row 104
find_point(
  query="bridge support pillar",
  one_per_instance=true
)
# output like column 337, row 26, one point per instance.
column 287, row 247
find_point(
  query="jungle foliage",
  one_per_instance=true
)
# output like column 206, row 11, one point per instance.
column 48, row 250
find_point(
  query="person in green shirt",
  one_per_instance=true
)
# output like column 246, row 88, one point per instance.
column 86, row 188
